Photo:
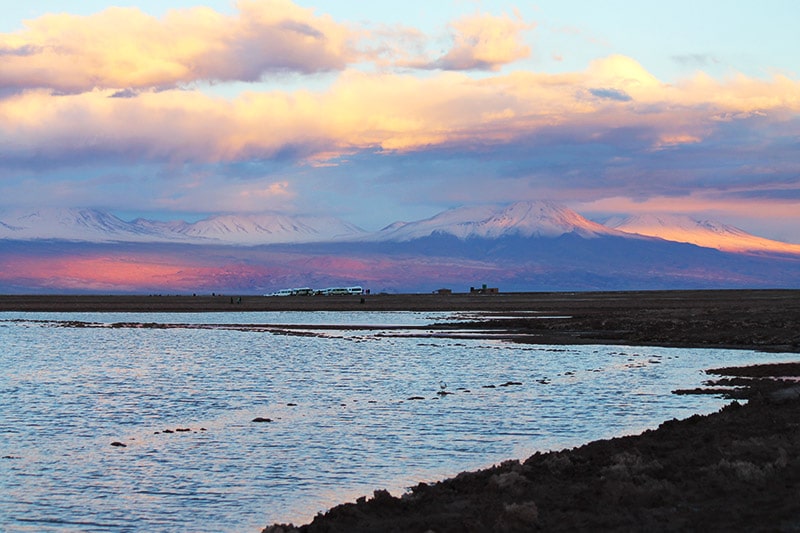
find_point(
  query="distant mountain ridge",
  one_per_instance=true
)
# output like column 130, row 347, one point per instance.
column 266, row 228
column 92, row 225
column 520, row 247
column 531, row 219
column 706, row 233
column 86, row 225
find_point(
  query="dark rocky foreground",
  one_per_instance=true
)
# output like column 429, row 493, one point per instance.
column 735, row 470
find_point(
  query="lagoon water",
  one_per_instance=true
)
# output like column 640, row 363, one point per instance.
column 343, row 421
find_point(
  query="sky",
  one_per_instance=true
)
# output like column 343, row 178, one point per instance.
column 376, row 112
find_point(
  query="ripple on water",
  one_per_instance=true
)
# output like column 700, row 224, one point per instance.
column 342, row 421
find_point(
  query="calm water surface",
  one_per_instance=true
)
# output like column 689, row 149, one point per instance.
column 343, row 419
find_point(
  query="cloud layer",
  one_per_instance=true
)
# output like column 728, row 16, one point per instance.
column 615, row 101
column 90, row 103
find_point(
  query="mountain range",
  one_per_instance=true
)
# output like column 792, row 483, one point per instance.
column 524, row 219
column 92, row 225
column 536, row 245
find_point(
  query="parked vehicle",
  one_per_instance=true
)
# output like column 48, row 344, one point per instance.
column 300, row 291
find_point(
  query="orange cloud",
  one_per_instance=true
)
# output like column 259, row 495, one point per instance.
column 383, row 111
column 485, row 42
column 126, row 48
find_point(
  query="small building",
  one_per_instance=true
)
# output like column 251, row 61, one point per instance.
column 443, row 291
column 484, row 290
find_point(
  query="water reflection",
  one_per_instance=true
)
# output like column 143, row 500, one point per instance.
column 342, row 419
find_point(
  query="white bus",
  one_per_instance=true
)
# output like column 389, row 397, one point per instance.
column 300, row 291
column 337, row 291
column 282, row 292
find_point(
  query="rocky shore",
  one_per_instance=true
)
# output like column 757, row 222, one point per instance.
column 738, row 469
column 735, row 470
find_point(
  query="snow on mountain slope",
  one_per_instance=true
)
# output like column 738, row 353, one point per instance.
column 268, row 228
column 707, row 233
column 522, row 219
column 90, row 225
column 71, row 224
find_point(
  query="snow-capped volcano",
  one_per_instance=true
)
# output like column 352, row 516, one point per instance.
column 521, row 219
column 707, row 233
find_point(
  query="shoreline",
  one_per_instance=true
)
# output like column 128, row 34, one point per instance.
column 734, row 470
column 764, row 320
